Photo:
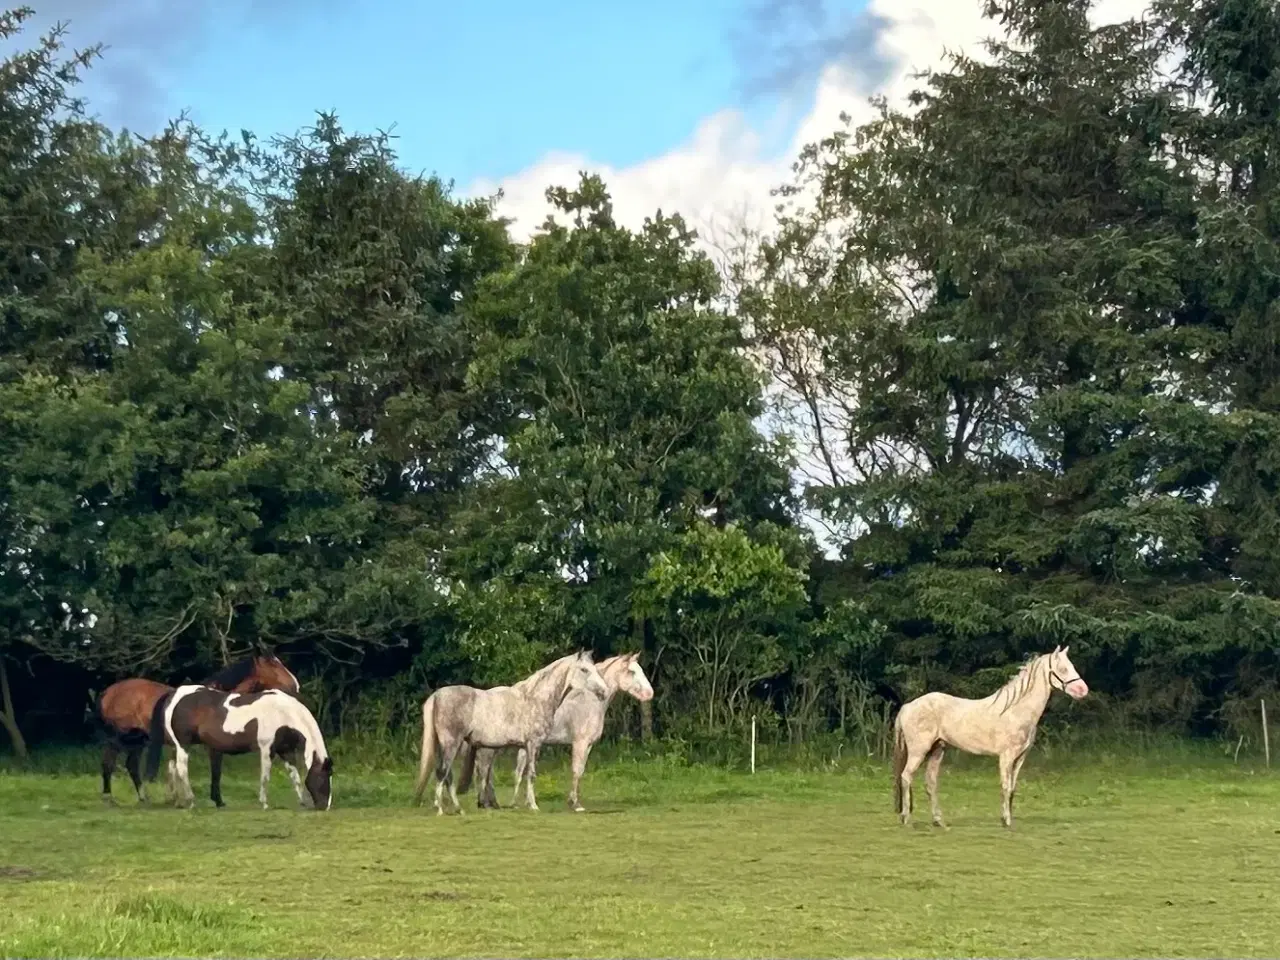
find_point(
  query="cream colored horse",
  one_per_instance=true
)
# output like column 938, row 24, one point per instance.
column 1001, row 725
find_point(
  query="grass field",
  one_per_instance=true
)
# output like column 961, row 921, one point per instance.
column 1171, row 852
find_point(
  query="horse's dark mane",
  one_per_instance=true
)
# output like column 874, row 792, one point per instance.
column 229, row 676
column 1019, row 684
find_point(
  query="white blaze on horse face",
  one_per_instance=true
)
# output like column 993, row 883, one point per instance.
column 297, row 687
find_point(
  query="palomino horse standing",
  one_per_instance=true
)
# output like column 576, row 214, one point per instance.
column 125, row 709
column 518, row 715
column 271, row 722
column 1001, row 725
column 579, row 721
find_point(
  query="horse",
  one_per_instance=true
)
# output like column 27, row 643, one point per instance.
column 124, row 709
column 518, row 715
column 579, row 722
column 1001, row 725
column 272, row 722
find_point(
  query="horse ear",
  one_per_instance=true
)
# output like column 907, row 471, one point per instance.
column 1065, row 649
column 1057, row 649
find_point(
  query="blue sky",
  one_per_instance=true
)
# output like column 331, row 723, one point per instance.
column 474, row 90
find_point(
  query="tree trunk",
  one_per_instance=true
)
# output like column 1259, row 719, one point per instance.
column 8, row 718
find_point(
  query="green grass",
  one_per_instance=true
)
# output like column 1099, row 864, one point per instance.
column 1170, row 852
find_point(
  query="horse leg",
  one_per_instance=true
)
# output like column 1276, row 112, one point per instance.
column 914, row 759
column 530, row 773
column 109, row 754
column 133, row 763
column 215, row 778
column 264, row 777
column 522, row 764
column 295, row 776
column 933, row 765
column 1007, row 762
column 182, row 777
column 581, row 750
column 487, row 797
column 1017, row 772
column 444, row 773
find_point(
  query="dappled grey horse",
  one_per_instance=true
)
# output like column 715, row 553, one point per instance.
column 578, row 722
column 1001, row 725
column 518, row 715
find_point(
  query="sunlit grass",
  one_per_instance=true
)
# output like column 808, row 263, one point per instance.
column 1164, row 852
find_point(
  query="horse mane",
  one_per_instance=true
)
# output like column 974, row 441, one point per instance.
column 1019, row 685
column 537, row 678
column 231, row 675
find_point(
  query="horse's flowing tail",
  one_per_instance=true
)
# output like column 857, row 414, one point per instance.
column 428, row 746
column 899, row 762
column 468, row 753
column 156, row 747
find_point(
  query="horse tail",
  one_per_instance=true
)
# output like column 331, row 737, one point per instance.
column 428, row 746
column 156, row 747
column 899, row 761
column 468, row 767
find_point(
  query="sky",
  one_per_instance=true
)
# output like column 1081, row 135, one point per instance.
column 696, row 106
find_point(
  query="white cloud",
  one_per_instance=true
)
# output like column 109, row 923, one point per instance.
column 722, row 176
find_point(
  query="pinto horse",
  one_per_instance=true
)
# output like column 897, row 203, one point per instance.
column 272, row 722
column 125, row 709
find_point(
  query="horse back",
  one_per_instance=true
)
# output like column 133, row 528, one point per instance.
column 126, row 706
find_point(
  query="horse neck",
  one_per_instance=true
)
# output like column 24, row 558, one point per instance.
column 1029, row 707
column 553, row 678
column 611, row 676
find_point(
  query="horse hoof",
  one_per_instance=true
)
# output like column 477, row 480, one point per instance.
column 579, row 809
column 109, row 800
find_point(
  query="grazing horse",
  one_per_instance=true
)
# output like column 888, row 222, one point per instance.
column 1001, row 725
column 271, row 722
column 518, row 715
column 579, row 721
column 125, row 709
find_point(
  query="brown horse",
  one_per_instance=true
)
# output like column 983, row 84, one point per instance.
column 125, row 709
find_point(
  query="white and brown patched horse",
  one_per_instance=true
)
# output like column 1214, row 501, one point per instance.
column 1002, row 725
column 272, row 723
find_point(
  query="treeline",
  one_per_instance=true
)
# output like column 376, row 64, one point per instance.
column 1022, row 334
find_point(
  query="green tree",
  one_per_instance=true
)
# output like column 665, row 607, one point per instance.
column 982, row 317
column 725, row 607
column 630, row 405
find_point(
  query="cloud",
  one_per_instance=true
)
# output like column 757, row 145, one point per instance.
column 145, row 41
column 722, row 176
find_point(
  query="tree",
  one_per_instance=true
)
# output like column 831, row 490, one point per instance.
column 630, row 408
column 981, row 316
column 725, row 607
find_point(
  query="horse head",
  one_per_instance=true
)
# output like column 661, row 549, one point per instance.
column 270, row 673
column 584, row 675
column 1064, row 676
column 634, row 681
column 319, row 782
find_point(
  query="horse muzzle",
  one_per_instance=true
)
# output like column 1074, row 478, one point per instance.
column 1077, row 689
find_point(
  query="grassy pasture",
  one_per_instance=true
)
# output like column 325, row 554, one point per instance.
column 1170, row 852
